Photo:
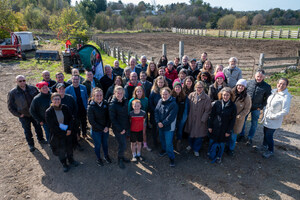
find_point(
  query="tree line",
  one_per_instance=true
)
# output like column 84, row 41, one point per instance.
column 65, row 19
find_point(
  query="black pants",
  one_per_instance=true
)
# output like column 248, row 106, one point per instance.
column 82, row 122
column 26, row 124
column 154, row 130
column 65, row 149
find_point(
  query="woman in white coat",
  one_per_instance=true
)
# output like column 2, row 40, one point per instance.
column 278, row 105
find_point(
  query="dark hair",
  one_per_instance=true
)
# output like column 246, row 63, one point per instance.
column 162, row 62
column 242, row 96
column 207, row 74
column 185, row 89
column 285, row 79
column 181, row 97
column 261, row 71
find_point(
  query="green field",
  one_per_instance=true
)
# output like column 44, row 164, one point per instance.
column 276, row 28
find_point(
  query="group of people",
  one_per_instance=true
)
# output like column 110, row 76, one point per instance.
column 175, row 100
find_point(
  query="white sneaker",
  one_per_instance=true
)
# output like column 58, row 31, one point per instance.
column 196, row 153
column 189, row 148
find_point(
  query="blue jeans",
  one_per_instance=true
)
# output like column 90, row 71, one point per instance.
column 166, row 139
column 268, row 138
column 180, row 125
column 100, row 138
column 232, row 141
column 195, row 143
column 26, row 124
column 121, row 139
column 254, row 121
column 47, row 131
column 220, row 153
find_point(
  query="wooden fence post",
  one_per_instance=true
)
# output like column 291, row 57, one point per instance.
column 123, row 57
column 280, row 33
column 255, row 36
column 198, row 32
column 298, row 59
column 298, row 33
column 271, row 35
column 181, row 50
column 128, row 57
column 263, row 34
column 201, row 32
column 225, row 33
column 164, row 49
column 219, row 34
column 118, row 53
column 114, row 52
column 261, row 61
column 289, row 34
column 243, row 34
column 230, row 33
column 236, row 33
column 249, row 35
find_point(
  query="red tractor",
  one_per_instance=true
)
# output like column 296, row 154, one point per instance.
column 11, row 47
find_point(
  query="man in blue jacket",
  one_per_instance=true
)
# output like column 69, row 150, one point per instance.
column 80, row 95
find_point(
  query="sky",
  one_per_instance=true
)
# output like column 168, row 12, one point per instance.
column 236, row 5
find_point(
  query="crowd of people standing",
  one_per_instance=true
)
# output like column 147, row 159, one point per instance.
column 175, row 100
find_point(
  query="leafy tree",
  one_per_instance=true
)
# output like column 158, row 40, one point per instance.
column 241, row 23
column 258, row 20
column 35, row 17
column 88, row 10
column 101, row 5
column 226, row 22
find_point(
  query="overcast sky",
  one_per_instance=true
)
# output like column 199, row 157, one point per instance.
column 237, row 5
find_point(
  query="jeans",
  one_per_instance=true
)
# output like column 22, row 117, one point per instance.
column 232, row 141
column 100, row 138
column 47, row 131
column 195, row 143
column 268, row 138
column 254, row 121
column 221, row 151
column 26, row 124
column 166, row 139
column 180, row 125
column 121, row 139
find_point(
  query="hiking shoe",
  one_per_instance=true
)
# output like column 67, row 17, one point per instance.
column 267, row 154
column 230, row 153
column 188, row 148
column 66, row 167
column 172, row 163
column 218, row 160
column 31, row 148
column 240, row 138
column 162, row 153
column 249, row 142
column 100, row 162
column 121, row 163
column 43, row 141
column 140, row 158
column 196, row 153
column 261, row 148
column 107, row 159
column 133, row 159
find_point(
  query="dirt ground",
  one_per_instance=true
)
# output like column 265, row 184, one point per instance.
column 247, row 175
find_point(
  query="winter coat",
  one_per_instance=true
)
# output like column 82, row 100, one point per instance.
column 147, row 85
column 106, row 82
column 51, row 83
column 151, row 77
column 259, row 93
column 83, row 92
column 153, row 100
column 221, row 121
column 16, row 100
column 166, row 113
column 88, row 85
column 109, row 93
column 118, row 71
column 143, row 68
column 56, row 134
column 278, row 105
column 69, row 101
column 183, row 108
column 144, row 102
column 193, row 73
column 242, row 109
column 196, row 124
column 39, row 105
column 118, row 113
column 172, row 75
column 98, row 116
column 232, row 75
column 213, row 91
column 129, row 88
column 182, row 66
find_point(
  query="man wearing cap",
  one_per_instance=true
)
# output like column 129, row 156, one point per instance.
column 18, row 102
column 193, row 69
column 79, row 93
column 91, row 82
column 46, row 78
column 60, row 78
column 171, row 73
column 259, row 92
column 143, row 64
column 40, row 104
column 232, row 72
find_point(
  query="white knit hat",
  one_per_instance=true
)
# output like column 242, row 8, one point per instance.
column 242, row 82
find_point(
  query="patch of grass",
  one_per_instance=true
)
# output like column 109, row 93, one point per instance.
column 292, row 76
column 276, row 28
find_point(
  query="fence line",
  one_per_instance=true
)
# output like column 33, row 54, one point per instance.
column 243, row 34
column 263, row 60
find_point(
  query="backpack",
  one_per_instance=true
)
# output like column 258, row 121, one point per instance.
column 214, row 151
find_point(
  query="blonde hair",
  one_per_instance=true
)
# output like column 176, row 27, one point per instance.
column 95, row 90
column 225, row 89
column 155, row 87
column 138, row 88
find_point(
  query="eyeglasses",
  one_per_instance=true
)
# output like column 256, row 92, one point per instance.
column 20, row 81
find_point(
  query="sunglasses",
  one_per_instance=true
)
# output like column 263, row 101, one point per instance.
column 20, row 81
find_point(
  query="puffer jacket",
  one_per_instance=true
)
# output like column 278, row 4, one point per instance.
column 118, row 113
column 171, row 74
column 259, row 93
column 166, row 113
column 39, row 105
column 278, row 105
column 98, row 116
column 16, row 100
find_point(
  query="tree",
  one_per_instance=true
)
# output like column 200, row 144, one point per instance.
column 258, row 20
column 241, row 23
column 226, row 22
column 36, row 17
column 101, row 21
column 88, row 10
column 101, row 5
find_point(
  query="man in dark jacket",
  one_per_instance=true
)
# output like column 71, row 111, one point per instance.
column 147, row 85
column 184, row 64
column 259, row 92
column 40, row 104
column 130, row 86
column 18, row 102
column 91, row 82
column 162, row 72
column 193, row 69
column 108, row 79
column 202, row 60
column 117, row 70
column 46, row 78
column 60, row 78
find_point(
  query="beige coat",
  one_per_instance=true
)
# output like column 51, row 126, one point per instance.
column 242, row 108
column 199, row 111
